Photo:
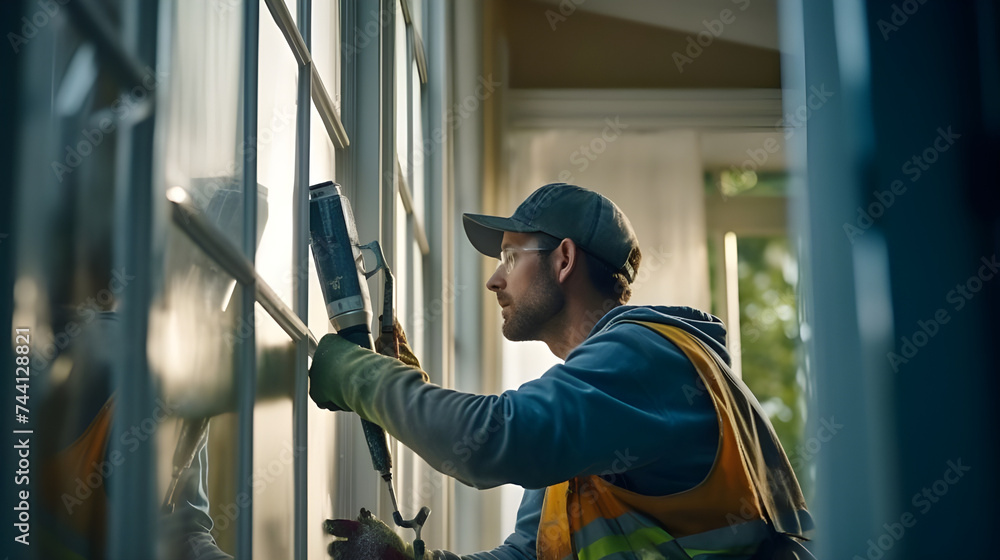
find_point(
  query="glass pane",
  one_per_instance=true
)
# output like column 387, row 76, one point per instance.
column 769, row 335
column 416, row 319
column 276, row 110
column 194, row 333
column 200, row 120
column 321, row 151
column 326, row 46
column 323, row 466
column 400, row 270
column 402, row 99
column 195, row 328
column 421, row 151
column 417, row 14
column 273, row 448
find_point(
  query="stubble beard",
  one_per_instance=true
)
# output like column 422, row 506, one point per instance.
column 527, row 319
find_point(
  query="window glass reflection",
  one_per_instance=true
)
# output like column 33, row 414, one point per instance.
column 422, row 147
column 276, row 125
column 68, row 293
column 326, row 46
column 200, row 118
column 195, row 331
column 402, row 97
column 273, row 447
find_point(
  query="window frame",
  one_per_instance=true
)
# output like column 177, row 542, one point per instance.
column 360, row 163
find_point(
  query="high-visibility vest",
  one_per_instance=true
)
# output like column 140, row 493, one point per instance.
column 749, row 492
column 74, row 494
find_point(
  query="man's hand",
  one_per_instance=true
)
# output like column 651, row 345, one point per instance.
column 396, row 346
column 324, row 376
column 342, row 370
column 365, row 539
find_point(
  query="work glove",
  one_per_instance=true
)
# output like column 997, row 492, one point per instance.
column 395, row 345
column 367, row 538
column 343, row 372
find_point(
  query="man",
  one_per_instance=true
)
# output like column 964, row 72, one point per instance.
column 640, row 445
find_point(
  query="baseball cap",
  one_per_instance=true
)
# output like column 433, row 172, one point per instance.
column 561, row 210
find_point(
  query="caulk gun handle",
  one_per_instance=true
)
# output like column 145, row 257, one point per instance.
column 378, row 445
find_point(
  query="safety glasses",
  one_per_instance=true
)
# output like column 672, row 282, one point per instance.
column 508, row 256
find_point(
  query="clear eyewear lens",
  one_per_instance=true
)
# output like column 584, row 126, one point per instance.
column 507, row 259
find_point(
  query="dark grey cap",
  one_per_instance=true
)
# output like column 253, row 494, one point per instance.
column 592, row 221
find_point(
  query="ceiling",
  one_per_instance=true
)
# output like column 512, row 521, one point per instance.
column 753, row 32
column 725, row 149
column 756, row 24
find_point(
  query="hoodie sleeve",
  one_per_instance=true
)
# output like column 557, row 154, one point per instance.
column 623, row 400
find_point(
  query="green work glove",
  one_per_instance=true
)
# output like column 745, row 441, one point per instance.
column 343, row 373
column 366, row 539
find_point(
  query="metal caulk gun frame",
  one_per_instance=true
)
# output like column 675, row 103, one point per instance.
column 388, row 327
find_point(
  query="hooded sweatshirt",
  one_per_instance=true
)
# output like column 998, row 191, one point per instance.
column 626, row 405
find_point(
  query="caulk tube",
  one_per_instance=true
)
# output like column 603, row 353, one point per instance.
column 339, row 264
column 340, row 267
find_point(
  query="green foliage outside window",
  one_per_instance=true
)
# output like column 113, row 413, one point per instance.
column 769, row 332
column 769, row 335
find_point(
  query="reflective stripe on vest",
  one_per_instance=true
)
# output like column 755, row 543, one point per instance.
column 590, row 519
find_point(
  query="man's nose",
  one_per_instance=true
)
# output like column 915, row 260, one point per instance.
column 497, row 281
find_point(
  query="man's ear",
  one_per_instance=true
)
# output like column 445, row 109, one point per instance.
column 565, row 260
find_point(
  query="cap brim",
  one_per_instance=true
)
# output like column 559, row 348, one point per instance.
column 486, row 232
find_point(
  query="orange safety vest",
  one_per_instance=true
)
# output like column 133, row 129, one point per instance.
column 751, row 485
column 74, row 494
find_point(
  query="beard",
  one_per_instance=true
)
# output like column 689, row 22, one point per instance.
column 528, row 318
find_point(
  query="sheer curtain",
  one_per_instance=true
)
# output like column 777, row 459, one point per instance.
column 656, row 178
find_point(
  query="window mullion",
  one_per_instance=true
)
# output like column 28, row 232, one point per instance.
column 246, row 371
column 300, row 285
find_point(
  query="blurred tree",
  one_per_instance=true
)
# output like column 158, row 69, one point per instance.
column 769, row 333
